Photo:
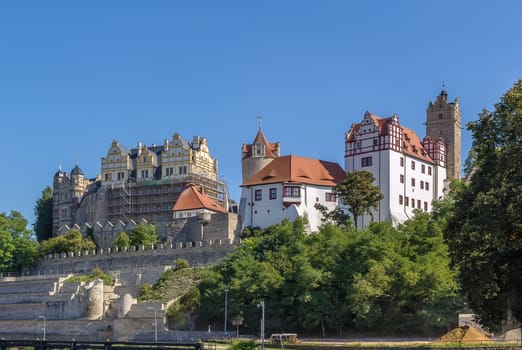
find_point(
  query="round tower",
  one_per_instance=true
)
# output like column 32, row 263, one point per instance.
column 77, row 183
column 257, row 155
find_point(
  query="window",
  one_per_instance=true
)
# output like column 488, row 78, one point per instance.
column 402, row 178
column 331, row 197
column 418, row 204
column 401, row 199
column 366, row 161
column 425, row 206
column 422, row 185
column 402, row 161
column 273, row 193
column 429, row 170
column 427, row 185
column 375, row 142
column 423, row 168
column 412, row 165
column 106, row 177
column 258, row 195
column 412, row 182
column 407, row 201
column 291, row 191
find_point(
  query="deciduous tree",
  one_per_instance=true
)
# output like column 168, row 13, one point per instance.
column 485, row 232
column 43, row 211
column 358, row 192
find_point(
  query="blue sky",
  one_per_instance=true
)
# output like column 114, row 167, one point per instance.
column 76, row 75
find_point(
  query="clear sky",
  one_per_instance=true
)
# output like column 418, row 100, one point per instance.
column 75, row 75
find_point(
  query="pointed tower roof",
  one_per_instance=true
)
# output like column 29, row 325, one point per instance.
column 271, row 149
column 191, row 198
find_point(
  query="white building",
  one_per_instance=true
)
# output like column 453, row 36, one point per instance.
column 287, row 188
column 409, row 172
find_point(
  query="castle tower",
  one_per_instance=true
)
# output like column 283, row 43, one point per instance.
column 443, row 121
column 257, row 155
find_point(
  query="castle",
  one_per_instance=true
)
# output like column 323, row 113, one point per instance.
column 145, row 183
column 136, row 184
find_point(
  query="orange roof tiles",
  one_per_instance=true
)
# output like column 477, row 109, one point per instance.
column 271, row 148
column 191, row 198
column 295, row 169
column 413, row 144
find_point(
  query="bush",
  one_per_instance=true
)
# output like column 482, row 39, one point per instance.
column 96, row 274
column 181, row 264
column 243, row 345
column 122, row 240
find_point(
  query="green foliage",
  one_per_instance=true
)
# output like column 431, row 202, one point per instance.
column 484, row 233
column 122, row 240
column 96, row 273
column 359, row 193
column 381, row 279
column 43, row 211
column 72, row 241
column 251, row 232
column 178, row 314
column 18, row 248
column 181, row 264
column 171, row 285
column 143, row 234
column 336, row 216
column 242, row 345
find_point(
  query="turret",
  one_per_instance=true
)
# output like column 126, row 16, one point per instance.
column 257, row 155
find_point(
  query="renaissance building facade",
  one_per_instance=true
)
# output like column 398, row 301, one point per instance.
column 141, row 183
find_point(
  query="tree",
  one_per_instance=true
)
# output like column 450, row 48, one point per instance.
column 18, row 248
column 143, row 234
column 72, row 241
column 43, row 211
column 484, row 233
column 122, row 240
column 359, row 193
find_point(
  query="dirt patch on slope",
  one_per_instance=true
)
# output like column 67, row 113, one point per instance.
column 463, row 334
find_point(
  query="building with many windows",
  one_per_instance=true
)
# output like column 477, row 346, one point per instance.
column 286, row 187
column 136, row 184
column 411, row 173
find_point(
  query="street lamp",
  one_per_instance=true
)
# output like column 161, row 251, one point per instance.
column 43, row 328
column 155, row 323
column 262, row 306
column 226, row 305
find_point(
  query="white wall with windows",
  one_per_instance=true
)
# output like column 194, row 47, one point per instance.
column 269, row 204
column 407, row 183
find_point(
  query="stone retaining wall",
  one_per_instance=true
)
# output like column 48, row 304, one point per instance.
column 112, row 259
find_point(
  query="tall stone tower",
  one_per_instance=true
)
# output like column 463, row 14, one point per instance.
column 257, row 155
column 443, row 121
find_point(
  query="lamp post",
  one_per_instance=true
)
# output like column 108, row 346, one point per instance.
column 262, row 306
column 226, row 306
column 43, row 328
column 155, row 323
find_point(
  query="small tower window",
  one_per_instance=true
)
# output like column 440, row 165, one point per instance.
column 440, row 115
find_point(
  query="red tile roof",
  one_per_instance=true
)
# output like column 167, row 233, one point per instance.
column 301, row 170
column 413, row 144
column 271, row 148
column 191, row 198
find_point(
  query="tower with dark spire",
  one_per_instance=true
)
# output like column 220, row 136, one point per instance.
column 258, row 154
column 443, row 121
